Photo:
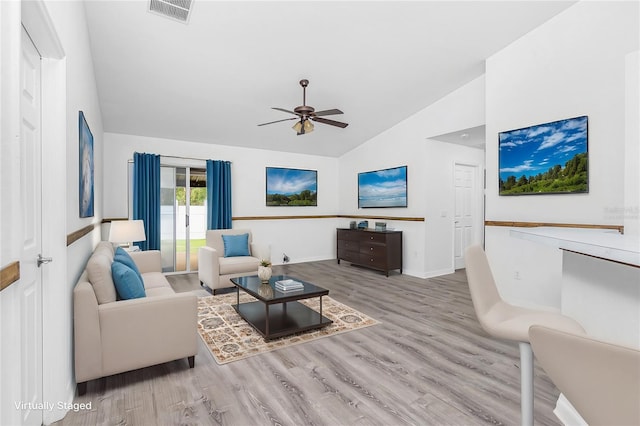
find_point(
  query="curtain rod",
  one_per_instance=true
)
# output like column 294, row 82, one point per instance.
column 181, row 158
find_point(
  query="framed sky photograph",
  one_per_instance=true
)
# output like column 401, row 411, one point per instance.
column 291, row 187
column 550, row 158
column 383, row 188
column 85, row 185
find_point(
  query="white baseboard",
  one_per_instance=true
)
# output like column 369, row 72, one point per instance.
column 437, row 273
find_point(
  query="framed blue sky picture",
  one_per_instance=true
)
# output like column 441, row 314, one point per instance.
column 85, row 167
column 550, row 158
column 383, row 188
column 291, row 187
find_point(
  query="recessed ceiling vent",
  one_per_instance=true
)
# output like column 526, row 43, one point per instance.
column 179, row 10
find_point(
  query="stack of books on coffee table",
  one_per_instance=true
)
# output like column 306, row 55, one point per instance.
column 288, row 285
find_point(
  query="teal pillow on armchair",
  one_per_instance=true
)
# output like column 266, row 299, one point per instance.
column 236, row 245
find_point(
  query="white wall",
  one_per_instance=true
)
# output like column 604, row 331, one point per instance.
column 572, row 65
column 439, row 193
column 428, row 245
column 301, row 239
column 632, row 146
column 81, row 95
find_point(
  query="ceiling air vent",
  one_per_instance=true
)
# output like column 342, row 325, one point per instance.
column 179, row 10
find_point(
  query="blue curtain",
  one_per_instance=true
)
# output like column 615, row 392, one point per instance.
column 146, row 197
column 218, row 194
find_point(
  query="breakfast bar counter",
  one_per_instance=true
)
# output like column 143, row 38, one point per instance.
column 600, row 286
column 604, row 244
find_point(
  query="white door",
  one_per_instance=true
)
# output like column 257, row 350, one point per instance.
column 30, row 276
column 465, row 211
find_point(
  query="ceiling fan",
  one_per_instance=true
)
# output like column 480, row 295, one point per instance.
column 304, row 113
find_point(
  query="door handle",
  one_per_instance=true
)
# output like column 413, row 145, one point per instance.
column 42, row 260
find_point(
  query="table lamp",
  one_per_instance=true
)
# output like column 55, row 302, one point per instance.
column 127, row 231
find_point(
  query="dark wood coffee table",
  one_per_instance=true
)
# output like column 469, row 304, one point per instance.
column 276, row 314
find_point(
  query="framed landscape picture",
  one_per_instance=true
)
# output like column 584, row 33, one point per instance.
column 85, row 185
column 383, row 188
column 291, row 187
column 550, row 158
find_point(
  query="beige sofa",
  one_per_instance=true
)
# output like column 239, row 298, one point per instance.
column 215, row 270
column 113, row 336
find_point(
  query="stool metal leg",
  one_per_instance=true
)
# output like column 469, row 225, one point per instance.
column 526, row 383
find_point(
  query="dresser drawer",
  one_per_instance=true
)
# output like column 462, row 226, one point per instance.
column 373, row 261
column 368, row 248
column 348, row 235
column 371, row 237
column 349, row 245
column 349, row 256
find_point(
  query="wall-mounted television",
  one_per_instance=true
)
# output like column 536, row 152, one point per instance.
column 291, row 187
column 383, row 188
column 549, row 158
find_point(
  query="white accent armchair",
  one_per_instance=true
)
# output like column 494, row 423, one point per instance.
column 215, row 270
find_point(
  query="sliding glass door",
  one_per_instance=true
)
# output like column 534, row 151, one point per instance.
column 183, row 218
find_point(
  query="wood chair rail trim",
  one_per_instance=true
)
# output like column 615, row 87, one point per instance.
column 76, row 235
column 330, row 216
column 9, row 275
column 325, row 216
column 619, row 228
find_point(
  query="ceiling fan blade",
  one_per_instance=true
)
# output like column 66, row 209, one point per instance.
column 330, row 122
column 327, row 112
column 285, row 110
column 277, row 121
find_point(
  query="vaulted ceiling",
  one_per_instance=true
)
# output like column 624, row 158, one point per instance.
column 215, row 78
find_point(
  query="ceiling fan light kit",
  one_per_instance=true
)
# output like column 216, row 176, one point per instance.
column 305, row 113
column 303, row 127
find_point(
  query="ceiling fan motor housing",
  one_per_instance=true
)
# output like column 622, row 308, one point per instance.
column 304, row 110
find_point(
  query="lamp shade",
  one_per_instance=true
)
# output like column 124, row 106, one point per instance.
column 308, row 126
column 303, row 124
column 126, row 231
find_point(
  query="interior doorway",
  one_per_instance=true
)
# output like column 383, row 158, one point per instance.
column 467, row 211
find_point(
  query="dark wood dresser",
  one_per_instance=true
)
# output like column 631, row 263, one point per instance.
column 379, row 250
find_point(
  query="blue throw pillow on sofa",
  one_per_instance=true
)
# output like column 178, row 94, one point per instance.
column 236, row 245
column 125, row 258
column 128, row 283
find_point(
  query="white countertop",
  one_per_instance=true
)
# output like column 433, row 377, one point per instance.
column 605, row 244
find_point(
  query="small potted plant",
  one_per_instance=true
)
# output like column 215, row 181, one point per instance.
column 264, row 270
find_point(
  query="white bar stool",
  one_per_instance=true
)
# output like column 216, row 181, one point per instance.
column 600, row 379
column 505, row 321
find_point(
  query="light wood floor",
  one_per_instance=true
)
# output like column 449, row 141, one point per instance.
column 428, row 363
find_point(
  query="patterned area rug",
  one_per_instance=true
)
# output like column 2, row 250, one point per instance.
column 230, row 338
